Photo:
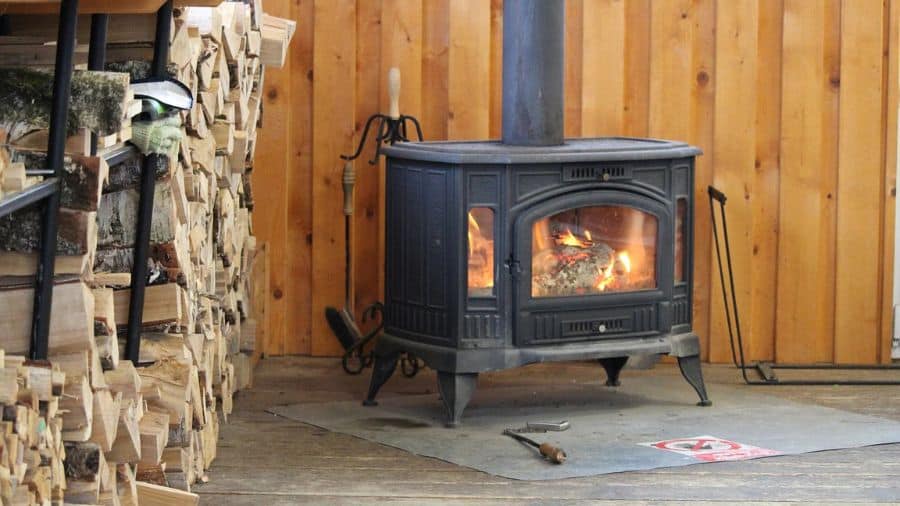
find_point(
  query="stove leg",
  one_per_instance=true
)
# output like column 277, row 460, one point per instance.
column 456, row 392
column 690, row 369
column 613, row 367
column 381, row 372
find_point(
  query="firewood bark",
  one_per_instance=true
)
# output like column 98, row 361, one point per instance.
column 83, row 177
column 20, row 231
column 97, row 100
column 117, row 218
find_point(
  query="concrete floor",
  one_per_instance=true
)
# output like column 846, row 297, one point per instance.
column 268, row 460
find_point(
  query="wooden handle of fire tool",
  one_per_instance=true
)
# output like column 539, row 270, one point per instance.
column 349, row 180
column 394, row 92
column 552, row 453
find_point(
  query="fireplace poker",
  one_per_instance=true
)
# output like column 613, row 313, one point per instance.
column 547, row 450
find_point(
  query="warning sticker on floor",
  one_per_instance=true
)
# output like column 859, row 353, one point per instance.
column 712, row 449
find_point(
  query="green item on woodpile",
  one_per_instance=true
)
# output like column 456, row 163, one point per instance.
column 160, row 136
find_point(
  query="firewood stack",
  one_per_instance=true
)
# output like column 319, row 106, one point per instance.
column 149, row 431
column 31, row 463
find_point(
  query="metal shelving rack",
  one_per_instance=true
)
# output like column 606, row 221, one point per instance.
column 47, row 192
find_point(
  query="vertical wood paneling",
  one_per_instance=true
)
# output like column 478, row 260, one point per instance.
column 334, row 58
column 298, row 247
column 805, row 313
column 272, row 164
column 574, row 65
column 469, row 76
column 805, row 149
column 764, row 260
column 637, row 68
column 670, row 69
column 435, row 65
column 892, row 91
column 366, row 226
column 737, row 25
column 401, row 47
column 704, row 100
column 603, row 68
column 860, row 177
column 496, row 66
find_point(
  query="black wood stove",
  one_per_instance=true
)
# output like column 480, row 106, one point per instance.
column 536, row 248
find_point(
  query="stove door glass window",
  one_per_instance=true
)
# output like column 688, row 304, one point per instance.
column 481, row 252
column 593, row 250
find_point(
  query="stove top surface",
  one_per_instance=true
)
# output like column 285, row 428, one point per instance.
column 574, row 150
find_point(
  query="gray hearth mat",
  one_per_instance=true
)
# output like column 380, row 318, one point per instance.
column 610, row 427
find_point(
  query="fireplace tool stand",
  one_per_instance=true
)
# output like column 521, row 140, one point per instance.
column 392, row 127
column 765, row 369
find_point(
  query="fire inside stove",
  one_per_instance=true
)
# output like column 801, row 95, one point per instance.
column 481, row 252
column 593, row 250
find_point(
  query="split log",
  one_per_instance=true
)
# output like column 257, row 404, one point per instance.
column 127, row 446
column 126, row 173
column 155, row 495
column 78, row 401
column 98, row 100
column 71, row 321
column 162, row 304
column 154, row 430
column 106, row 418
column 82, row 181
column 117, row 218
column 20, row 231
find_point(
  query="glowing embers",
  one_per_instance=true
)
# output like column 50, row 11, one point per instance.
column 481, row 252
column 592, row 250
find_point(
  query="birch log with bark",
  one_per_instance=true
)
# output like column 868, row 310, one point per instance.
column 98, row 100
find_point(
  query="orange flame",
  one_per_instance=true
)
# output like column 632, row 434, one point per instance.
column 569, row 239
column 481, row 257
column 608, row 275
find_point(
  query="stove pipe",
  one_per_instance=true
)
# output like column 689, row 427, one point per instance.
column 533, row 59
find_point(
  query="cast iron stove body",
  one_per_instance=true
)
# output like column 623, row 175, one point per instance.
column 500, row 254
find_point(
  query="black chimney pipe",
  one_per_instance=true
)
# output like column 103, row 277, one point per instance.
column 533, row 59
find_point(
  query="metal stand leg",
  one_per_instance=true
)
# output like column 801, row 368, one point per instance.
column 381, row 372
column 97, row 54
column 145, row 207
column 690, row 369
column 62, row 85
column 613, row 367
column 456, row 392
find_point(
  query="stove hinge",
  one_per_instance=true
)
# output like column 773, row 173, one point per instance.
column 513, row 266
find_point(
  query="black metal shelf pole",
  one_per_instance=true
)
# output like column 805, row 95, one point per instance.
column 62, row 84
column 97, row 54
column 145, row 207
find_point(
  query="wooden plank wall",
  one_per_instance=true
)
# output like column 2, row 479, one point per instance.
column 794, row 103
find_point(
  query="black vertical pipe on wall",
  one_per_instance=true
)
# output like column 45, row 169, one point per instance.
column 145, row 207
column 533, row 72
column 56, row 144
column 97, row 54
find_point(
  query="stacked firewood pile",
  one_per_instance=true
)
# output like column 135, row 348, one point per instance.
column 148, row 430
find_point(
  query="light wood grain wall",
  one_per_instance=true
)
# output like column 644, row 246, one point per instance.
column 794, row 103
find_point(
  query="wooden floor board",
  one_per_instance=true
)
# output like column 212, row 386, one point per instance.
column 267, row 459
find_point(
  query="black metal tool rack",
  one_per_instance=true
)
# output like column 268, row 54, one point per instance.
column 47, row 192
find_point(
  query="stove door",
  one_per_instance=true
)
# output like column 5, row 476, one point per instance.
column 593, row 265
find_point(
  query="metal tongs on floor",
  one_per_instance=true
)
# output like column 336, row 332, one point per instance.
column 547, row 450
